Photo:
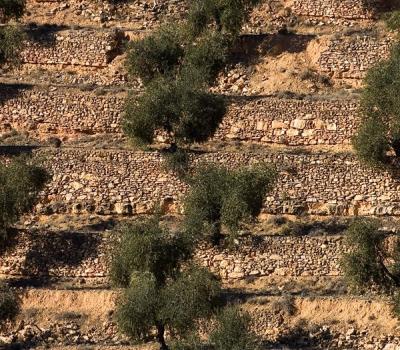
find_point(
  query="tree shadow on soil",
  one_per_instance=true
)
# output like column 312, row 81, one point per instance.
column 251, row 48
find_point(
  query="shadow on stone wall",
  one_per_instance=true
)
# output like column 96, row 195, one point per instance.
column 59, row 250
column 251, row 48
column 11, row 91
column 44, row 35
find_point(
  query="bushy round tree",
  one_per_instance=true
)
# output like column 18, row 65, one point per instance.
column 222, row 198
column 370, row 263
column 11, row 36
column 160, row 53
column 181, row 108
column 20, row 183
column 162, row 294
column 226, row 16
column 379, row 131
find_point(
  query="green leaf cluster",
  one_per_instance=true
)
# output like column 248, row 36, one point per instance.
column 161, row 294
column 379, row 132
column 221, row 198
column 20, row 183
column 370, row 263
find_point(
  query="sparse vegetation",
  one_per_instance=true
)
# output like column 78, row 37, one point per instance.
column 223, row 199
column 233, row 331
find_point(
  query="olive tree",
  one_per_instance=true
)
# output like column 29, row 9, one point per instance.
column 379, row 131
column 231, row 331
column 20, row 183
column 226, row 16
column 11, row 37
column 222, row 198
column 156, row 54
column 164, row 292
column 371, row 262
column 181, row 108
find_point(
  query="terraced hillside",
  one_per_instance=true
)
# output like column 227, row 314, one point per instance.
column 292, row 88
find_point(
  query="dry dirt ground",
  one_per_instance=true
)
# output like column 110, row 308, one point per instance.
column 95, row 306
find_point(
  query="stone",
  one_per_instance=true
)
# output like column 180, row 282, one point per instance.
column 298, row 124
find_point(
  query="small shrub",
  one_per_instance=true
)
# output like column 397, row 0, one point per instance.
column 284, row 305
column 233, row 331
column 278, row 220
column 177, row 161
column 69, row 316
column 294, row 228
column 11, row 41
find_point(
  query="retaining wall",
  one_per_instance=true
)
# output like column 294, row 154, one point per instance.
column 85, row 47
column 48, row 254
column 352, row 57
column 69, row 113
column 125, row 182
column 347, row 9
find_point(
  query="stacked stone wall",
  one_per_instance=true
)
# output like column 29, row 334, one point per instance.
column 85, row 47
column 290, row 122
column 270, row 256
column 347, row 9
column 126, row 182
column 71, row 113
column 53, row 112
column 351, row 58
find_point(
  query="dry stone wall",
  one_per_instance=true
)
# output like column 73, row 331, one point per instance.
column 348, row 9
column 276, row 256
column 51, row 112
column 290, row 122
column 86, row 47
column 126, row 182
column 350, row 58
column 70, row 113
